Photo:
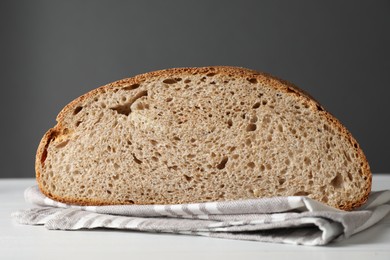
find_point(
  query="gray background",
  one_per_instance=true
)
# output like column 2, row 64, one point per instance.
column 54, row 51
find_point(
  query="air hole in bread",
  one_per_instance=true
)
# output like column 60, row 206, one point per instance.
column 251, row 165
column 77, row 110
column 187, row 81
column 173, row 167
column 51, row 174
column 293, row 131
column 235, row 156
column 142, row 106
column 326, row 127
column 337, row 181
column 122, row 109
column 251, row 127
column 252, row 80
column 307, row 161
column 187, row 178
column 136, row 160
column 281, row 181
column 301, row 193
column 125, row 109
column 232, row 148
column 62, row 144
column 290, row 90
column 169, row 81
column 256, row 105
column 76, row 172
column 222, row 164
column 168, row 99
column 254, row 119
column 229, row 123
column 350, row 176
column 211, row 74
column 131, row 87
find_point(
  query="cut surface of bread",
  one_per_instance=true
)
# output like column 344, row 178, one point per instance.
column 193, row 135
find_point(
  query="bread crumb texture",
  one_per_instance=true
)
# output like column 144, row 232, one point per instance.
column 196, row 135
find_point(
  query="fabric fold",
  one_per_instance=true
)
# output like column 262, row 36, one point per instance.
column 292, row 220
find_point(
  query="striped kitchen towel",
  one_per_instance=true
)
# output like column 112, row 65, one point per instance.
column 291, row 220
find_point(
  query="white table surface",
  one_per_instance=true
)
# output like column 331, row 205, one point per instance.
column 35, row 242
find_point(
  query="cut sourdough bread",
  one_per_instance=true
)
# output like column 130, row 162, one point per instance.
column 193, row 135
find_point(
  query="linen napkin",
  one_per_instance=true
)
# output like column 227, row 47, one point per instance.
column 291, row 220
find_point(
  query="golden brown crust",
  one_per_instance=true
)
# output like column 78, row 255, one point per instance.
column 266, row 79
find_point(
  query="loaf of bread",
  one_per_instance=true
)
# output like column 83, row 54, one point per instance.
column 192, row 135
